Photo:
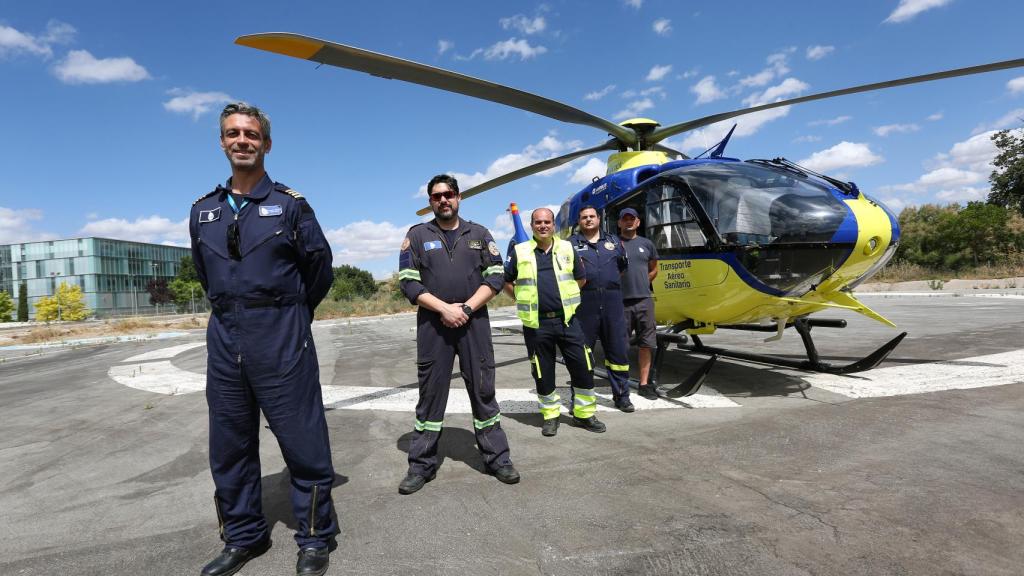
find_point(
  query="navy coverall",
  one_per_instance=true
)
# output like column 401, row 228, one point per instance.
column 452, row 272
column 264, row 269
column 600, row 311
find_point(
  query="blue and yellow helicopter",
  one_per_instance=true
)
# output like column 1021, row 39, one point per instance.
column 756, row 245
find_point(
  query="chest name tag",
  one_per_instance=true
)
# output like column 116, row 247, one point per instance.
column 209, row 215
column 274, row 210
column 476, row 245
column 582, row 247
column 432, row 245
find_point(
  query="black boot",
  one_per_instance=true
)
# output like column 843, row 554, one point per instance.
column 232, row 558
column 312, row 561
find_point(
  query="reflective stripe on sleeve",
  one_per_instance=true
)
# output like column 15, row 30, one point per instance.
column 409, row 274
column 498, row 269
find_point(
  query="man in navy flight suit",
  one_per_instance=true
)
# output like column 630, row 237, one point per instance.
column 265, row 264
column 450, row 268
column 600, row 311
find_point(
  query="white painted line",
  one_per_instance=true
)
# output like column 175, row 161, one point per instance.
column 943, row 294
column 160, row 377
column 977, row 372
column 506, row 323
column 163, row 353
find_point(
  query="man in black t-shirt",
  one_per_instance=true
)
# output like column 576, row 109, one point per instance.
column 636, row 294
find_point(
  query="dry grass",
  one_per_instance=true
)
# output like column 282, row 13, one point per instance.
column 56, row 332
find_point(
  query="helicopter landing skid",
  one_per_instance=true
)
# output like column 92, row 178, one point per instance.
column 813, row 362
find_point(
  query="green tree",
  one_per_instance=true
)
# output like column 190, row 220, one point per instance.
column 67, row 304
column 187, row 270
column 23, row 302
column 183, row 291
column 1008, row 177
column 351, row 282
column 981, row 231
column 6, row 306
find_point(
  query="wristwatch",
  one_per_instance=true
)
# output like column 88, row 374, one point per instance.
column 467, row 309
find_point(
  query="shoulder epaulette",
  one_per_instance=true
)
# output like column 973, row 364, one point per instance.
column 204, row 196
column 293, row 194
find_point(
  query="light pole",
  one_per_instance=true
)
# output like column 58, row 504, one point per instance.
column 155, row 266
column 192, row 289
column 56, row 293
column 135, row 299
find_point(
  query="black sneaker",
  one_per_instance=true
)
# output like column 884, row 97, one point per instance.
column 592, row 424
column 648, row 391
column 550, row 427
column 312, row 561
column 413, row 482
column 507, row 475
column 625, row 405
column 232, row 558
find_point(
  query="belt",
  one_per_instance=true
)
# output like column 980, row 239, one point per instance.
column 226, row 304
column 558, row 314
column 585, row 289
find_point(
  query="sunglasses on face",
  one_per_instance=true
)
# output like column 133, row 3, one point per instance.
column 234, row 242
column 447, row 194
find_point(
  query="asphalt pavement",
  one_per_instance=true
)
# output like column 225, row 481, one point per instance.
column 916, row 467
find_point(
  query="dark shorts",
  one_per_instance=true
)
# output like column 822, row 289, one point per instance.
column 640, row 319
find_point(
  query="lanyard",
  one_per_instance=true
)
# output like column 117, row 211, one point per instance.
column 234, row 207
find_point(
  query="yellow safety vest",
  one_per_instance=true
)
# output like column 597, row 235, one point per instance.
column 527, row 297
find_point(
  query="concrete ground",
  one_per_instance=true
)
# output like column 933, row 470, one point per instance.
column 913, row 468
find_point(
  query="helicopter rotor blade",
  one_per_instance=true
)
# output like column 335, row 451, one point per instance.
column 662, row 133
column 343, row 56
column 528, row 170
column 670, row 151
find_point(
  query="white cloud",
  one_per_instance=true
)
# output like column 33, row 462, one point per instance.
column 907, row 9
column 1016, row 86
column 154, row 229
column 964, row 194
column 548, row 147
column 707, row 90
column 807, row 138
column 513, row 47
column 830, row 121
column 16, row 226
column 598, row 94
column 689, row 74
column 366, row 240
column 524, row 24
column 658, row 72
column 1012, row 119
column 954, row 176
column 819, row 52
column 195, row 103
column 842, row 155
column 634, row 109
column 634, row 3
column 884, row 131
column 662, row 26
column 595, row 167
column 13, row 41
column 444, row 46
column 787, row 88
column 81, row 67
column 935, row 117
column 777, row 66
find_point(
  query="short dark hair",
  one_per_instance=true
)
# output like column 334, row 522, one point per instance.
column 246, row 109
column 587, row 207
column 443, row 179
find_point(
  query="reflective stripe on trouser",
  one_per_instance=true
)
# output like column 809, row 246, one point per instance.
column 293, row 406
column 584, row 403
column 436, row 348
column 601, row 317
column 540, row 345
column 550, row 405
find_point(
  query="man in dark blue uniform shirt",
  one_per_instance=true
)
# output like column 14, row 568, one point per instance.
column 265, row 264
column 450, row 268
column 600, row 311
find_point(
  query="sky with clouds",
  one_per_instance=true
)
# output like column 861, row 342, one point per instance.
column 108, row 109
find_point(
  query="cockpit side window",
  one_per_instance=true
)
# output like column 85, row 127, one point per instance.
column 669, row 221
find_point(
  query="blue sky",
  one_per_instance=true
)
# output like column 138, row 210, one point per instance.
column 108, row 109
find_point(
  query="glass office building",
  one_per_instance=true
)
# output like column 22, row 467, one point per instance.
column 113, row 274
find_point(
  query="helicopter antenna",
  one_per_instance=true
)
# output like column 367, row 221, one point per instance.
column 718, row 149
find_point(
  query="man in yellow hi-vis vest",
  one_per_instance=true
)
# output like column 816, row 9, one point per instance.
column 547, row 274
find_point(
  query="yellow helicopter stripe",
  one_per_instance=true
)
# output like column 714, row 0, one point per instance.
column 286, row 44
column 846, row 299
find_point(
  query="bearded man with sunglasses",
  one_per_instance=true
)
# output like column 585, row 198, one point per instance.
column 450, row 268
column 265, row 265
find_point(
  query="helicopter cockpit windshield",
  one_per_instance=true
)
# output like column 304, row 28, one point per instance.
column 780, row 225
column 757, row 205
